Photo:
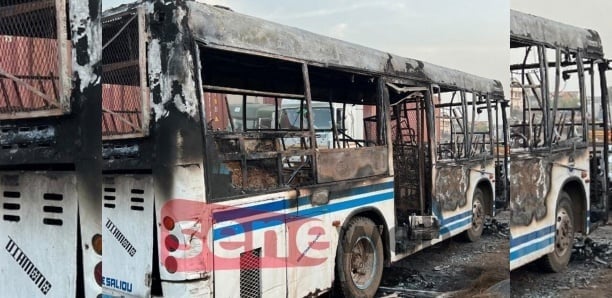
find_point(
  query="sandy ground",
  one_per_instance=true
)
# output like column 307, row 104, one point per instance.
column 453, row 268
column 589, row 273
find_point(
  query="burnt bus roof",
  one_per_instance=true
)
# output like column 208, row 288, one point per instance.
column 222, row 28
column 526, row 29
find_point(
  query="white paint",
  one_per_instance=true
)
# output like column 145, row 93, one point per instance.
column 50, row 248
column 136, row 227
column 82, row 27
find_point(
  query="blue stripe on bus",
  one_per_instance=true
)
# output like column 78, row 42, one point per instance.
column 447, row 229
column 281, row 205
column 531, row 236
column 271, row 221
column 529, row 249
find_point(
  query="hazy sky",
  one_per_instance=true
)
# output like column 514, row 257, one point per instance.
column 469, row 35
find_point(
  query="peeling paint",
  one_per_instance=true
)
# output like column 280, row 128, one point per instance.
column 87, row 37
column 451, row 186
column 529, row 186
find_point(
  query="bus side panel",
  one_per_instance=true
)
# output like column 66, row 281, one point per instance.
column 535, row 183
column 36, row 206
column 311, row 268
column 249, row 245
column 128, row 247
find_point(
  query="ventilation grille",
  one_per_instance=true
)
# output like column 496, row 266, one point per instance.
column 137, row 200
column 11, row 205
column 109, row 197
column 250, row 273
column 51, row 211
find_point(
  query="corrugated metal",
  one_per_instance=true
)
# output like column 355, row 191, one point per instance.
column 35, row 62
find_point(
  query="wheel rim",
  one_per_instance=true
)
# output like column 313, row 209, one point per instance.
column 363, row 262
column 564, row 232
column 477, row 215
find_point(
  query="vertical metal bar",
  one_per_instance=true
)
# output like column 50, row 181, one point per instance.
column 276, row 114
column 333, row 123
column 592, row 77
column 62, row 51
column 464, row 116
column 421, row 143
column 603, row 66
column 345, row 142
column 491, row 127
column 244, row 113
column 385, row 120
column 313, row 137
column 142, row 63
column 544, row 92
column 553, row 118
column 582, row 94
column 472, row 126
column 229, row 114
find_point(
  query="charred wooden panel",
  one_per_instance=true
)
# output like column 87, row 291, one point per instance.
column 451, row 186
column 336, row 165
column 529, row 185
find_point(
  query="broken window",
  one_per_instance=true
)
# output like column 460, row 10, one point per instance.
column 548, row 107
column 35, row 59
column 124, row 85
column 263, row 133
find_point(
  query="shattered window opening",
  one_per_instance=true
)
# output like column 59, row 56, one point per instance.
column 258, row 118
column 124, row 85
column 35, row 60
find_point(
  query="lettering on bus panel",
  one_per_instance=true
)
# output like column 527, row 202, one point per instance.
column 529, row 186
column 307, row 239
column 116, row 284
column 28, row 266
column 123, row 241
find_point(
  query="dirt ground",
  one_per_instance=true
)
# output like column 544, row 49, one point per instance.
column 589, row 273
column 454, row 268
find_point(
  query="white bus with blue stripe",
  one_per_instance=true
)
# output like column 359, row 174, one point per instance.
column 557, row 175
column 220, row 197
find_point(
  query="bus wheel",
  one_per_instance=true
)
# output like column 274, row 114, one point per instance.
column 359, row 260
column 478, row 216
column 557, row 260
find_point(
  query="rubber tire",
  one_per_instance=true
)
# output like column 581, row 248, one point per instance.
column 473, row 233
column 357, row 228
column 553, row 262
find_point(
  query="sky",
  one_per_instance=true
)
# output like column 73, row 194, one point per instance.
column 468, row 35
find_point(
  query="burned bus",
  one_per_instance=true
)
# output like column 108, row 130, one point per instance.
column 558, row 185
column 215, row 183
column 50, row 148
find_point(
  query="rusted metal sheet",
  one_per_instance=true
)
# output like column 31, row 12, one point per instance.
column 451, row 186
column 36, row 60
column 537, row 30
column 125, row 102
column 529, row 185
column 336, row 165
column 223, row 28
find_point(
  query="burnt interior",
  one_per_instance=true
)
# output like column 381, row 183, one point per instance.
column 258, row 119
column 551, row 119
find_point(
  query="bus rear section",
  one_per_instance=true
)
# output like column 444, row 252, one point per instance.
column 557, row 181
column 49, row 149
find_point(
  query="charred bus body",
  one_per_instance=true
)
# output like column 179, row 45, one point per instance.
column 50, row 181
column 557, row 180
column 202, row 203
